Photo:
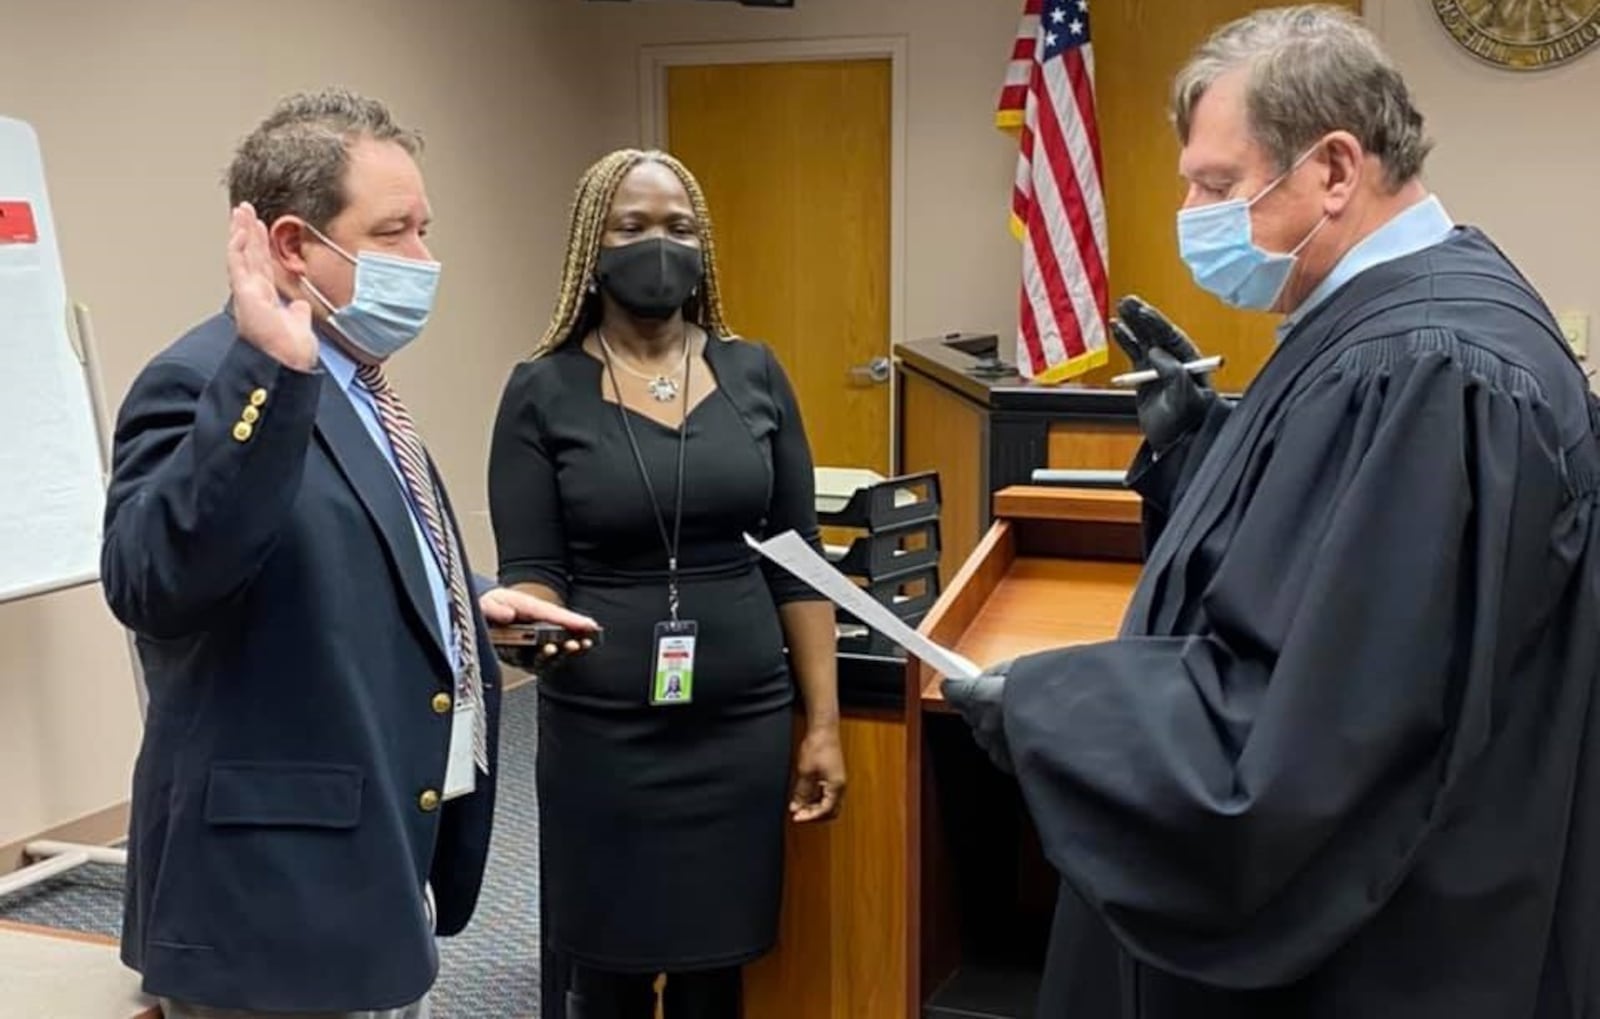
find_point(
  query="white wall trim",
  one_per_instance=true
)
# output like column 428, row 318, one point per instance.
column 653, row 64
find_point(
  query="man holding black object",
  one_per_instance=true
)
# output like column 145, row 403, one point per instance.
column 1343, row 759
column 313, row 797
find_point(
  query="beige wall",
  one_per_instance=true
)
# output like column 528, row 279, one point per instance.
column 138, row 107
column 1516, row 152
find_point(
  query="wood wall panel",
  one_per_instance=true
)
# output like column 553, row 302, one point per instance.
column 869, row 943
column 1087, row 444
column 943, row 432
column 842, row 939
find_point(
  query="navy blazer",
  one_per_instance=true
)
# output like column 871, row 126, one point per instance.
column 285, row 798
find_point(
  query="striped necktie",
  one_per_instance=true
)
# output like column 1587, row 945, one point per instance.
column 412, row 459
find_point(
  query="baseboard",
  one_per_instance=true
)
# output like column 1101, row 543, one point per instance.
column 101, row 828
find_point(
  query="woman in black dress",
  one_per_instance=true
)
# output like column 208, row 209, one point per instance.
column 631, row 456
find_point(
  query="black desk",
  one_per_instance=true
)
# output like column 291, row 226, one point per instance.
column 872, row 682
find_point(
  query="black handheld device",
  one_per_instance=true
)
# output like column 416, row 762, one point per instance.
column 522, row 644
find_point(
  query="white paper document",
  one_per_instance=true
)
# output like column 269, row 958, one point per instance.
column 791, row 552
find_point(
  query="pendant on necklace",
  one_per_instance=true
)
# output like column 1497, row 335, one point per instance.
column 664, row 389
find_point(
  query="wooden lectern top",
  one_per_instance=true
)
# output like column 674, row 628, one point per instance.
column 1057, row 567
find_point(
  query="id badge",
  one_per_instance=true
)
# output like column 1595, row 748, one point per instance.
column 461, row 772
column 672, row 678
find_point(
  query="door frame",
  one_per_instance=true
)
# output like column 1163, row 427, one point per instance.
column 654, row 62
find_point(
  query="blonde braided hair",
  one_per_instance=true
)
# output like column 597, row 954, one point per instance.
column 577, row 309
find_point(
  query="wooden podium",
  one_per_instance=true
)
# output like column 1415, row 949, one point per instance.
column 1057, row 567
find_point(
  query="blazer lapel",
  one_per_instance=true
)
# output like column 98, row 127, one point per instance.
column 350, row 445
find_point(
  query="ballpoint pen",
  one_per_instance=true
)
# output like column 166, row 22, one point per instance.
column 1139, row 378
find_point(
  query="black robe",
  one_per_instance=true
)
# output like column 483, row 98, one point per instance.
column 1343, row 760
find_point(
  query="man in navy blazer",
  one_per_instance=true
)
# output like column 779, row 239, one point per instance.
column 312, row 800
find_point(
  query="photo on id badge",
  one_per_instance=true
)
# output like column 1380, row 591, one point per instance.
column 672, row 679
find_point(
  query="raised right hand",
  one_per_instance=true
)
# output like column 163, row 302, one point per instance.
column 1175, row 403
column 265, row 322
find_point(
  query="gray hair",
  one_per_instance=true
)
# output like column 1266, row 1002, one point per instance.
column 1312, row 69
column 294, row 162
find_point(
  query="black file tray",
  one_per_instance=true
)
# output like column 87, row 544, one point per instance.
column 869, row 643
column 909, row 594
column 880, row 554
column 896, row 560
column 874, row 507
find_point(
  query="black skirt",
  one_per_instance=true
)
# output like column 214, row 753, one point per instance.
column 662, row 827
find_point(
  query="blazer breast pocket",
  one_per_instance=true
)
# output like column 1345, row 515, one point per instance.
column 283, row 794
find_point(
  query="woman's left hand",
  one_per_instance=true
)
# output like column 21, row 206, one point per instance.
column 819, row 780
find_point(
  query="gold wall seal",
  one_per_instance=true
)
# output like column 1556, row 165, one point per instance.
column 1524, row 35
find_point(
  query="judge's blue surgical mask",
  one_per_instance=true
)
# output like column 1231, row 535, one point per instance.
column 1218, row 244
column 390, row 304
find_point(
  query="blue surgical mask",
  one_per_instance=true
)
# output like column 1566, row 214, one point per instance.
column 390, row 304
column 1218, row 244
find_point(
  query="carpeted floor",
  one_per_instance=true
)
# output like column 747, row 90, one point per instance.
column 490, row 971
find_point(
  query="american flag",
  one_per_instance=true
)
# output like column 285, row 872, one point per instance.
column 1057, row 206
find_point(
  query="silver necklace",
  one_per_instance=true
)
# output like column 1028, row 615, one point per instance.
column 663, row 388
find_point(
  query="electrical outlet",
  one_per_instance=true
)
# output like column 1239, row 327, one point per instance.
column 1575, row 327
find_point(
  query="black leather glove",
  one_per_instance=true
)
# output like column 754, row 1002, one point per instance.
column 979, row 702
column 1174, row 404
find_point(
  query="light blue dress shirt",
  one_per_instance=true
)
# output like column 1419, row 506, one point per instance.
column 342, row 368
column 1421, row 226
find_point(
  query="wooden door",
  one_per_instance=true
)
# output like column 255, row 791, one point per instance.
column 1139, row 45
column 795, row 160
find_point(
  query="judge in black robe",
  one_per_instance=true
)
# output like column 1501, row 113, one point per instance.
column 1343, row 759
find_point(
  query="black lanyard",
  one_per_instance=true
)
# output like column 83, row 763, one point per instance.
column 671, row 543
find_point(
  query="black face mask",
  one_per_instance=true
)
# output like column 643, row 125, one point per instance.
column 652, row 278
